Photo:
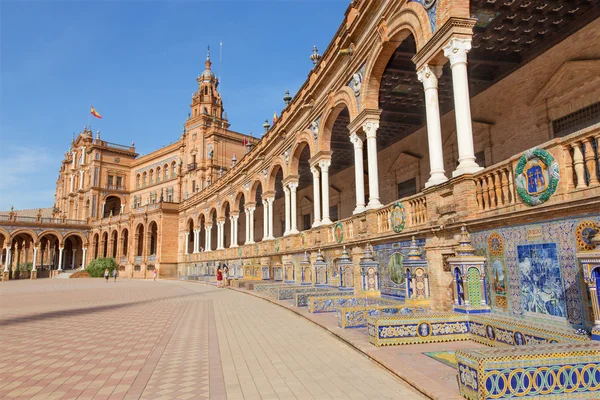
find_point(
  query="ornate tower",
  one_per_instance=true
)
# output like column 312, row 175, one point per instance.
column 206, row 102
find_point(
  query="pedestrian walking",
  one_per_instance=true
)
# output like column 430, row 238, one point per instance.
column 219, row 277
column 106, row 274
column 155, row 272
column 115, row 274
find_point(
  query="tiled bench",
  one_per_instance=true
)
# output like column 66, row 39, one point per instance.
column 418, row 328
column 287, row 293
column 251, row 284
column 263, row 287
column 488, row 329
column 301, row 299
column 321, row 304
column 555, row 371
column 356, row 317
column 499, row 330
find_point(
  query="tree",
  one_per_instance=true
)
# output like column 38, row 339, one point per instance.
column 97, row 267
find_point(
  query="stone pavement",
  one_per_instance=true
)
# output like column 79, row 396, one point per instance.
column 84, row 338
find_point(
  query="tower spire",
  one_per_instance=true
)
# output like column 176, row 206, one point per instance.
column 208, row 63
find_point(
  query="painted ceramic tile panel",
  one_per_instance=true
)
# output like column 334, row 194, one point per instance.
column 542, row 288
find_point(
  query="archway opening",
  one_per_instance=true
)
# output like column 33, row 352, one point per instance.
column 153, row 236
column 114, row 244
column 105, row 244
column 112, row 206
column 190, row 236
column 241, row 233
column 279, row 203
column 140, row 240
column 305, row 193
column 125, row 236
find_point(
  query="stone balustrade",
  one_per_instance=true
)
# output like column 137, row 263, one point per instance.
column 491, row 192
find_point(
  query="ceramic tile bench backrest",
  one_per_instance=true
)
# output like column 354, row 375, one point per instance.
column 556, row 371
column 263, row 287
column 319, row 304
column 301, row 299
column 417, row 328
column 356, row 317
column 488, row 329
column 273, row 291
column 499, row 330
column 287, row 293
column 252, row 284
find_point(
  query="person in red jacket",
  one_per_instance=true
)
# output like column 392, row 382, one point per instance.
column 219, row 277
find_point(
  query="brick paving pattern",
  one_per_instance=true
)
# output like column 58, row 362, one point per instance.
column 164, row 340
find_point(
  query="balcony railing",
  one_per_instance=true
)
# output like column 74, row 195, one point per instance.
column 114, row 187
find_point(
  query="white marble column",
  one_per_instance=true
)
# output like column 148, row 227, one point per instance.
column 456, row 51
column 286, row 192
column 265, row 204
column 359, row 173
column 429, row 76
column 324, row 165
column 60, row 258
column 234, row 230
column 248, row 226
column 34, row 266
column 196, row 240
column 370, row 127
column 293, row 209
column 270, row 200
column 220, row 235
column 251, row 223
column 187, row 242
column 316, row 196
column 208, row 237
column 7, row 260
column 83, row 257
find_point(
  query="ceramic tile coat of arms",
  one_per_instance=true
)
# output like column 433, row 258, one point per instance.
column 532, row 270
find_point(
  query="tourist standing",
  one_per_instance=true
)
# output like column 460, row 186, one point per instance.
column 106, row 275
column 115, row 274
column 154, row 272
column 225, row 275
column 219, row 277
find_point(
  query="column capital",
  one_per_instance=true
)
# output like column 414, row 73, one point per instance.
column 208, row 226
column 315, row 172
column 286, row 190
column 356, row 140
column 456, row 50
column 235, row 214
column 370, row 127
column 252, row 209
column 429, row 75
column 324, row 165
column 293, row 186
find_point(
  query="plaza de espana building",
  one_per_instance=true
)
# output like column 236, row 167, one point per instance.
column 443, row 152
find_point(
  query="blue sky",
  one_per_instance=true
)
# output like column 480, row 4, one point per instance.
column 136, row 63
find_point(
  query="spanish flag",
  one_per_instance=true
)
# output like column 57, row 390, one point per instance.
column 95, row 113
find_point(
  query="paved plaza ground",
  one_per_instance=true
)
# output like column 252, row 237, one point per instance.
column 84, row 338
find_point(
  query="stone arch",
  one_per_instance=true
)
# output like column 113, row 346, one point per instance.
column 277, row 164
column 304, row 140
column 33, row 235
column 411, row 19
column 212, row 213
column 84, row 239
column 241, row 194
column 254, row 188
column 343, row 98
column 223, row 208
column 5, row 234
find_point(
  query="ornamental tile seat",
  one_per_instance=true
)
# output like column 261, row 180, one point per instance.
column 356, row 317
column 324, row 304
column 287, row 293
column 554, row 371
column 301, row 299
column 489, row 329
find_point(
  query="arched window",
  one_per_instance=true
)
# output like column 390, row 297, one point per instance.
column 173, row 170
column 137, row 180
column 151, row 176
column 166, row 171
column 144, row 179
column 157, row 174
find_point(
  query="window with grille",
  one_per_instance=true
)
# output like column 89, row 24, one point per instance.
column 407, row 188
column 577, row 120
